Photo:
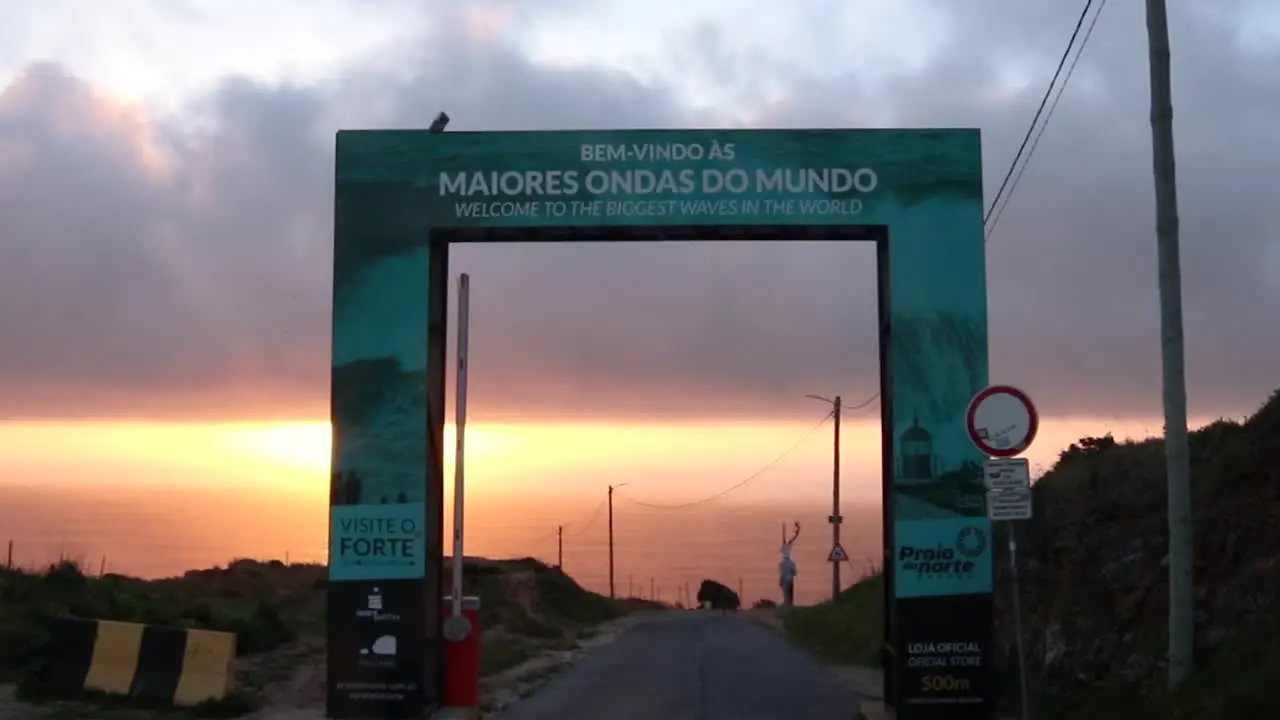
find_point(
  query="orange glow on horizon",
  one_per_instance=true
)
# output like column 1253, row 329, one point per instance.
column 672, row 462
column 160, row 498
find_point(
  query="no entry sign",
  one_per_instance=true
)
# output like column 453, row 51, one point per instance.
column 1001, row 421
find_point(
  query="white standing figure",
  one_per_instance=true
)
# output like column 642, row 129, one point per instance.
column 787, row 567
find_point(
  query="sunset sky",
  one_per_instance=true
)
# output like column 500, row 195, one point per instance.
column 166, row 237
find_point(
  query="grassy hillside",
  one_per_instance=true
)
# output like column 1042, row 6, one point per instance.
column 277, row 612
column 1095, row 584
column 847, row 631
column 265, row 605
column 1094, row 588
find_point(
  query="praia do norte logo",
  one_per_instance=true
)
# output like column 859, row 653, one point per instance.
column 944, row 561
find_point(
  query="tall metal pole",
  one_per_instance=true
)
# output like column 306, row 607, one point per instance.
column 835, row 504
column 560, row 547
column 611, row 595
column 1177, row 457
column 460, row 424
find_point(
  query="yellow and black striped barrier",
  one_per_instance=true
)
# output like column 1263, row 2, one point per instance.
column 166, row 665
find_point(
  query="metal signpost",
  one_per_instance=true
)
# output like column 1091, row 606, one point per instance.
column 1002, row 422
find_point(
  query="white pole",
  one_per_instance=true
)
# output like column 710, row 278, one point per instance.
column 1172, row 349
column 460, row 424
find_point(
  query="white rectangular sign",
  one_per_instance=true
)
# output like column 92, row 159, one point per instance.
column 1007, row 474
column 1009, row 504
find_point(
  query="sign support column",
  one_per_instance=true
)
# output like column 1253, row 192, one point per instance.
column 1002, row 422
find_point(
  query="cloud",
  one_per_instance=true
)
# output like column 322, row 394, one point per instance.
column 181, row 264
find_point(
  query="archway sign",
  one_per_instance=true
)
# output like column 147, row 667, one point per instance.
column 403, row 197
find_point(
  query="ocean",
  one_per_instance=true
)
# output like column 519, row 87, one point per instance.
column 158, row 531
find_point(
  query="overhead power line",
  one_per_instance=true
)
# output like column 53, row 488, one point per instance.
column 1044, row 101
column 742, row 483
column 595, row 515
column 543, row 537
column 864, row 403
column 578, row 529
column 1035, row 142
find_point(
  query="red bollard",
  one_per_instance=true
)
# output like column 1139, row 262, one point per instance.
column 461, row 656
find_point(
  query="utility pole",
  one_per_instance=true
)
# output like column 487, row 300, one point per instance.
column 611, row 594
column 560, row 547
column 835, row 504
column 1176, row 453
column 835, row 519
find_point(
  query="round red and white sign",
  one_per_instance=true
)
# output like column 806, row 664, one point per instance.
column 1001, row 421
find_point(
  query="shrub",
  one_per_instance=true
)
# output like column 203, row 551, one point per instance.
column 260, row 632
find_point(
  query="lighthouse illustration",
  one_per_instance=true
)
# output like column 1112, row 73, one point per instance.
column 917, row 464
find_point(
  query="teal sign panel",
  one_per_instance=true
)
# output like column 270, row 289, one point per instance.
column 945, row 556
column 377, row 542
column 921, row 190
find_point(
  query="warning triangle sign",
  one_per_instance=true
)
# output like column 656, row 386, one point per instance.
column 837, row 554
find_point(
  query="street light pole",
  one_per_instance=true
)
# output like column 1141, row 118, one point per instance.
column 835, row 518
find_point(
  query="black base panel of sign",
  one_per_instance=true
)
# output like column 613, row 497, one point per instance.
column 943, row 664
column 381, row 664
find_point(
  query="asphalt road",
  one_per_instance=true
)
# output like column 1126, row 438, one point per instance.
column 691, row 665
